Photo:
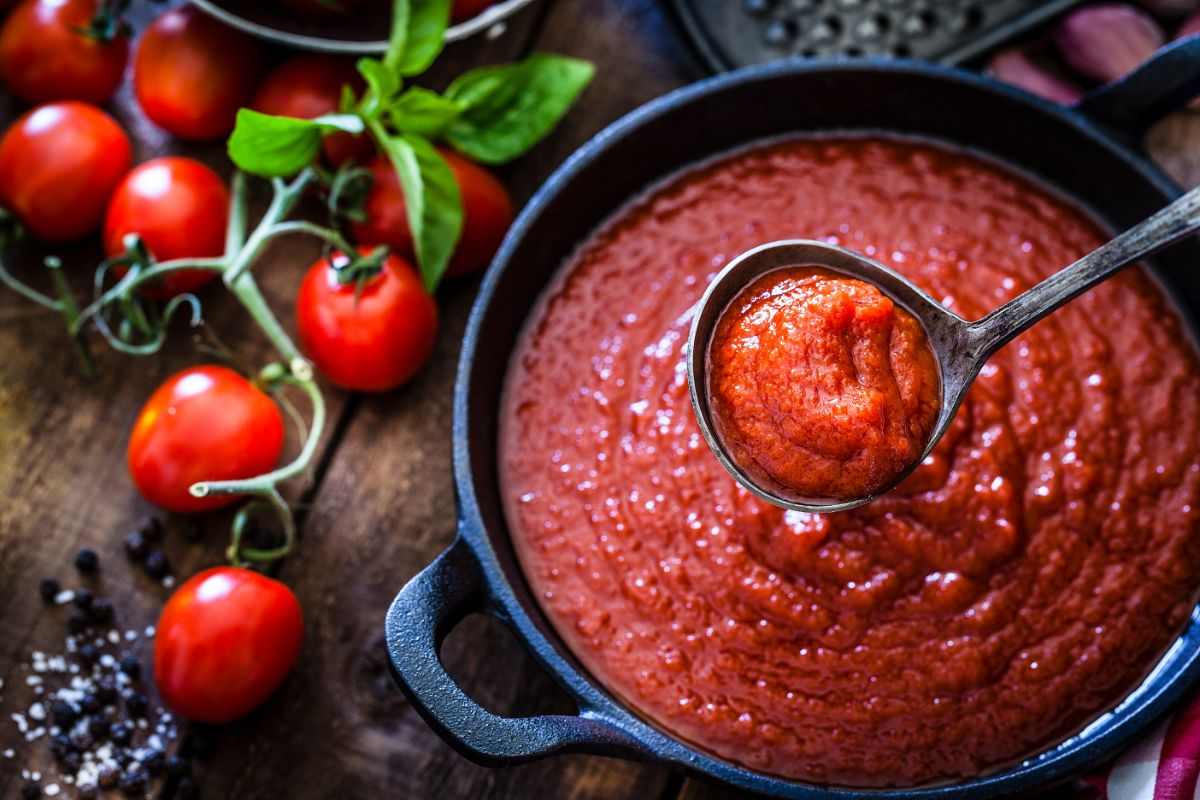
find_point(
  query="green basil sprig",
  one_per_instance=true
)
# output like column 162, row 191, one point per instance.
column 492, row 114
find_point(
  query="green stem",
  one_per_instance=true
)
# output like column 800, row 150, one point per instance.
column 70, row 311
column 134, row 279
column 329, row 235
column 246, row 290
column 285, row 199
column 27, row 292
column 260, row 484
column 235, row 231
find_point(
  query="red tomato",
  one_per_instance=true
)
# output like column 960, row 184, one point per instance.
column 58, row 166
column 465, row 9
column 180, row 208
column 487, row 213
column 225, row 641
column 191, row 73
column 311, row 85
column 372, row 338
column 45, row 53
column 206, row 423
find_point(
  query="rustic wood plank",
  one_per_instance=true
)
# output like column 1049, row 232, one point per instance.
column 386, row 508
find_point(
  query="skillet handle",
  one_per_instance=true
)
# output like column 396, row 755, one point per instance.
column 1168, row 80
column 421, row 616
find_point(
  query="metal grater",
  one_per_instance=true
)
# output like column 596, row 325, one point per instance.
column 735, row 33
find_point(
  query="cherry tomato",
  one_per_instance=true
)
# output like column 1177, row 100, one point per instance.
column 46, row 54
column 311, row 85
column 465, row 9
column 487, row 213
column 206, row 423
column 58, row 166
column 191, row 73
column 370, row 338
column 224, row 642
column 180, row 208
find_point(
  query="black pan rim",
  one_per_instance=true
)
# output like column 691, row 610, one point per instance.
column 1089, row 747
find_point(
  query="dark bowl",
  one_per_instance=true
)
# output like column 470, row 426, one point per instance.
column 1080, row 151
column 362, row 33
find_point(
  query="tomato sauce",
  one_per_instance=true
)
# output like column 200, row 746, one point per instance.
column 820, row 385
column 1022, row 580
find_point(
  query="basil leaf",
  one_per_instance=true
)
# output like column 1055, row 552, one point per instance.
column 510, row 109
column 418, row 35
column 273, row 147
column 382, row 85
column 423, row 112
column 431, row 199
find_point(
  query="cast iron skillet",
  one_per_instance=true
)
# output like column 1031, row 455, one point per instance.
column 1085, row 151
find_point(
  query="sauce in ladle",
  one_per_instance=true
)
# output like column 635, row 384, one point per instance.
column 821, row 385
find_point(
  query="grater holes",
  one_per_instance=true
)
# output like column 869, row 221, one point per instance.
column 780, row 32
column 758, row 8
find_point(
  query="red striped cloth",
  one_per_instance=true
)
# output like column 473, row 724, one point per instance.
column 1163, row 766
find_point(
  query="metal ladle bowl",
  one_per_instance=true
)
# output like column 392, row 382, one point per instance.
column 960, row 347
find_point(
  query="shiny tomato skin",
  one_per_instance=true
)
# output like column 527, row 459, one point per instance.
column 44, row 56
column 180, row 208
column 191, row 73
column 463, row 10
column 225, row 641
column 487, row 213
column 308, row 86
column 59, row 164
column 206, row 423
column 373, row 342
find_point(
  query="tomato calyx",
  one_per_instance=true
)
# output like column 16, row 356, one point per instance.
column 358, row 269
column 109, row 22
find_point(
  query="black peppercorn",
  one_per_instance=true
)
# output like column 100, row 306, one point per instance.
column 136, row 704
column 106, row 690
column 156, row 565
column 97, row 727
column 121, row 733
column 89, row 703
column 131, row 666
column 152, row 529
column 64, row 713
column 102, row 611
column 48, row 589
column 136, row 546
column 82, row 740
column 83, row 599
column 88, row 654
column 77, row 624
column 60, row 745
column 31, row 791
column 86, row 561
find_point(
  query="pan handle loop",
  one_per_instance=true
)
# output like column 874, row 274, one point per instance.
column 421, row 616
column 1168, row 80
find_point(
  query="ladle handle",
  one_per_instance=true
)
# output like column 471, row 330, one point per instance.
column 1167, row 226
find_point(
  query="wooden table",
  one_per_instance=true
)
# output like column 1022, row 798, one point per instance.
column 378, row 505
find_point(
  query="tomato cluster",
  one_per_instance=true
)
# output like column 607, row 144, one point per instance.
column 229, row 636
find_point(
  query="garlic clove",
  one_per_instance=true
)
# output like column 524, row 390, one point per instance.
column 1107, row 41
column 1013, row 66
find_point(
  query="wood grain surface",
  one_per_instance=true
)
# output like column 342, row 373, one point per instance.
column 379, row 505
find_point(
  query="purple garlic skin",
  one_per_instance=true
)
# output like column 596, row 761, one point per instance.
column 1170, row 8
column 1013, row 66
column 1107, row 41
